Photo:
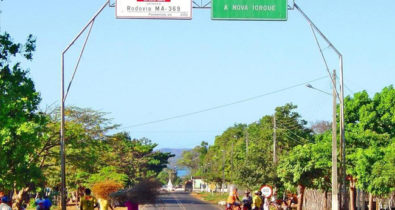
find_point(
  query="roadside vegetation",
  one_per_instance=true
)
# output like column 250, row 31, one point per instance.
column 243, row 154
column 209, row 197
column 30, row 140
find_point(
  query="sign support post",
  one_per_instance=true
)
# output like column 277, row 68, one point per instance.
column 63, row 191
column 341, row 101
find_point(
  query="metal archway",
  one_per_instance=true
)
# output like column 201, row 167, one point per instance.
column 207, row 5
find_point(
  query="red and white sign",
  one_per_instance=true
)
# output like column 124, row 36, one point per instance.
column 154, row 9
column 267, row 191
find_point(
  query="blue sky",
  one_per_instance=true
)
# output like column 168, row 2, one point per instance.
column 145, row 70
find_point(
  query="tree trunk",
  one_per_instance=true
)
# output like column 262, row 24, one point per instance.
column 363, row 200
column 352, row 194
column 300, row 196
column 370, row 201
column 325, row 200
column 17, row 198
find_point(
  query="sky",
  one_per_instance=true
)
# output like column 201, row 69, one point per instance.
column 142, row 71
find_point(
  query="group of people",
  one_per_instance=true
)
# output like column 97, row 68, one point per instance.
column 40, row 202
column 256, row 202
column 89, row 202
column 43, row 203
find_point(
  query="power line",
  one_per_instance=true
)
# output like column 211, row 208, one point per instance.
column 347, row 87
column 293, row 127
column 289, row 130
column 224, row 105
column 294, row 139
column 290, row 123
column 294, row 135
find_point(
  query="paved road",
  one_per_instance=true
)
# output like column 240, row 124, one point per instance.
column 180, row 200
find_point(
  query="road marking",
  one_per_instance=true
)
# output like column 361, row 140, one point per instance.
column 179, row 203
column 145, row 206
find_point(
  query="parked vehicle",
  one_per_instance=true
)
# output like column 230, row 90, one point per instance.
column 188, row 186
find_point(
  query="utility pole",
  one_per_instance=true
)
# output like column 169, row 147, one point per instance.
column 231, row 161
column 335, row 191
column 223, row 170
column 274, row 148
column 274, row 139
column 246, row 134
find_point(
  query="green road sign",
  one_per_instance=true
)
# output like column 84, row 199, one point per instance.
column 249, row 9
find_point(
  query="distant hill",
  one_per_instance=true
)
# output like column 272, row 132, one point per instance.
column 177, row 152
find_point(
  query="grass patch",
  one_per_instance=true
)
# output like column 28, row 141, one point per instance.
column 213, row 198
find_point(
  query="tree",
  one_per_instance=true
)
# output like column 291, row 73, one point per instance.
column 163, row 176
column 20, row 122
column 84, row 133
column 307, row 165
column 320, row 127
column 194, row 159
column 134, row 157
column 243, row 154
column 383, row 172
column 369, row 128
column 107, row 173
column 92, row 155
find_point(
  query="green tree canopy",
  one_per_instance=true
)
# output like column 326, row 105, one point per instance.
column 20, row 123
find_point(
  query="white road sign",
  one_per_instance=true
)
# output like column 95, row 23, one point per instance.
column 154, row 9
column 267, row 191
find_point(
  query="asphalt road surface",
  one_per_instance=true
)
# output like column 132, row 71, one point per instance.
column 179, row 200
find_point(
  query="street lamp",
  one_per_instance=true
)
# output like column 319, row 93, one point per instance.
column 335, row 191
column 310, row 86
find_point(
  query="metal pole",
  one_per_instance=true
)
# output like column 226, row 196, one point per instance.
column 62, row 150
column 318, row 30
column 342, row 137
column 341, row 101
column 274, row 139
column 62, row 107
column 335, row 198
column 86, row 26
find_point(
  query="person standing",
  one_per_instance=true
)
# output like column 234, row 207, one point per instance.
column 256, row 201
column 40, row 202
column 88, row 202
column 104, row 204
column 233, row 200
column 262, row 199
column 47, row 203
column 5, row 203
column 247, row 201
column 130, row 205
